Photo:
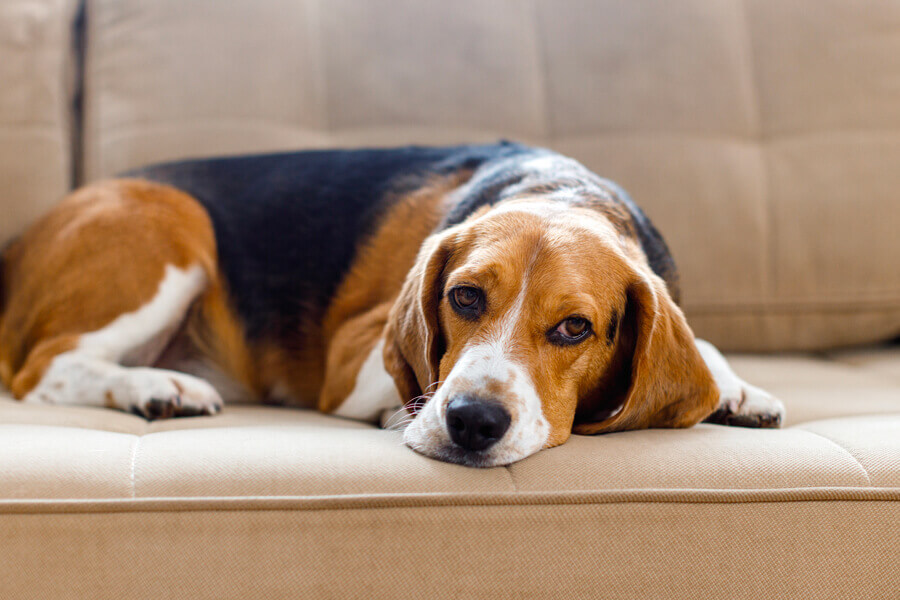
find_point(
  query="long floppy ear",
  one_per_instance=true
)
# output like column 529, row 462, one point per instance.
column 657, row 377
column 413, row 341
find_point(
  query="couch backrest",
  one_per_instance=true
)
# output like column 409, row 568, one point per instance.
column 36, row 68
column 762, row 136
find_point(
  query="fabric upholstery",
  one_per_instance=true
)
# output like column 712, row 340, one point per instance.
column 36, row 72
column 277, row 502
column 841, row 431
column 760, row 135
column 618, row 548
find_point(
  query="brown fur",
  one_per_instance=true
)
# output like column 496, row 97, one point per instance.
column 648, row 365
column 565, row 272
column 357, row 316
column 214, row 331
column 67, row 272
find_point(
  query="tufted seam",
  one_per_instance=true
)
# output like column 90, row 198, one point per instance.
column 317, row 60
column 134, row 453
column 845, row 450
column 853, row 417
column 869, row 371
column 688, row 496
column 769, row 259
column 512, row 478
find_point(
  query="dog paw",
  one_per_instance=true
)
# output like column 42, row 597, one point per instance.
column 157, row 394
column 744, row 405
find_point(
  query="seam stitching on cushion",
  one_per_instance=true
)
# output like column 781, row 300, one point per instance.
column 844, row 450
column 512, row 478
column 756, row 310
column 134, row 453
column 49, row 129
column 869, row 371
column 91, row 103
column 245, row 504
column 769, row 281
column 802, row 426
column 127, row 132
column 317, row 62
column 75, row 97
column 889, row 302
column 131, row 128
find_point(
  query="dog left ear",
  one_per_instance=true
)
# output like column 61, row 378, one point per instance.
column 414, row 343
column 657, row 377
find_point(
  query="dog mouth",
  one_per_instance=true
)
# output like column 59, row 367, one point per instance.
column 438, row 445
column 473, row 426
column 453, row 454
column 467, row 431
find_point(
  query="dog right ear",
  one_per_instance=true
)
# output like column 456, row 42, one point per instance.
column 413, row 341
column 660, row 379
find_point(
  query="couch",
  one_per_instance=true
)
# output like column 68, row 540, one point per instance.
column 762, row 137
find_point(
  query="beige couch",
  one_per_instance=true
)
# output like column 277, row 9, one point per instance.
column 762, row 136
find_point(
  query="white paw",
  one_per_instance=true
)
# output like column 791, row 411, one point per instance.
column 745, row 405
column 160, row 394
column 40, row 396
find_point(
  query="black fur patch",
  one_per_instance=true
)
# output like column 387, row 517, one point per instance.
column 514, row 173
column 612, row 328
column 493, row 182
column 288, row 225
column 658, row 255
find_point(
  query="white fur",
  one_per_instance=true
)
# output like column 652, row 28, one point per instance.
column 478, row 366
column 374, row 392
column 549, row 164
column 540, row 208
column 736, row 395
column 91, row 373
column 132, row 337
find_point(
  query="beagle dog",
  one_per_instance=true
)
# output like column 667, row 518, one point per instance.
column 490, row 299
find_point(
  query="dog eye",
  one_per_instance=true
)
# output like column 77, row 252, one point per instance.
column 574, row 327
column 570, row 330
column 466, row 300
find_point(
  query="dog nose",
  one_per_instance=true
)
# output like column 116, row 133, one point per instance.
column 476, row 424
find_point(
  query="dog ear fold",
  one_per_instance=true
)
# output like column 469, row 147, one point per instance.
column 657, row 377
column 414, row 343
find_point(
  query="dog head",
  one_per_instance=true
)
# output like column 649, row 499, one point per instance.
column 529, row 320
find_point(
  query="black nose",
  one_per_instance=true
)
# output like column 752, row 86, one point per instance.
column 476, row 424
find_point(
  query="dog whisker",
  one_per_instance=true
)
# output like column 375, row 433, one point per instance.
column 432, row 385
column 401, row 414
column 399, row 424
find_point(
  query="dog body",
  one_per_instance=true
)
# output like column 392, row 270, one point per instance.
column 492, row 298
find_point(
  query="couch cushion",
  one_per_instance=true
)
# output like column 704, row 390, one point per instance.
column 841, row 431
column 35, row 108
column 280, row 502
column 762, row 137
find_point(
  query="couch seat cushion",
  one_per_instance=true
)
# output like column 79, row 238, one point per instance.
column 842, row 431
column 270, row 502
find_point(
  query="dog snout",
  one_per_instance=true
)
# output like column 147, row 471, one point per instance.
column 476, row 424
